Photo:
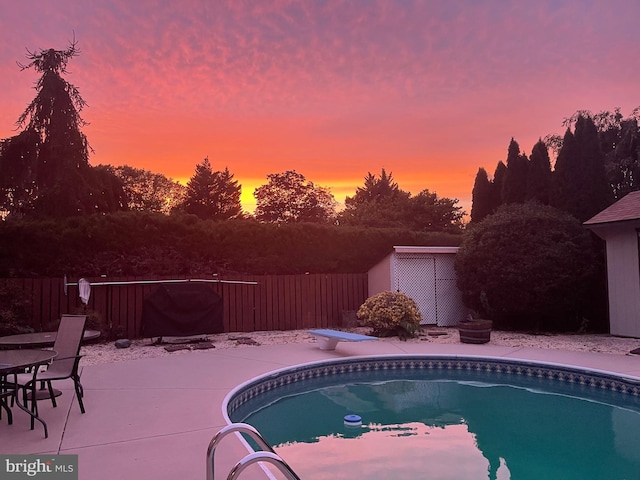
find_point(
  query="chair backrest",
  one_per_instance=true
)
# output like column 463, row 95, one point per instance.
column 67, row 344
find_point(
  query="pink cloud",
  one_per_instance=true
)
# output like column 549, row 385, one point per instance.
column 341, row 87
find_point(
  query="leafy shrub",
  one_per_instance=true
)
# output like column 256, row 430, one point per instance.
column 389, row 314
column 527, row 266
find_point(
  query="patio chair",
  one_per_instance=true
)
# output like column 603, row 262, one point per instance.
column 29, row 392
column 63, row 366
column 7, row 391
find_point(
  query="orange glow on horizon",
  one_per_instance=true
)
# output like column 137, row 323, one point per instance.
column 429, row 91
column 341, row 189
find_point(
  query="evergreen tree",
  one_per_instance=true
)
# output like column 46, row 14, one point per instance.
column 514, row 188
column 539, row 176
column 564, row 192
column 482, row 197
column 378, row 203
column 212, row 195
column 228, row 195
column 47, row 164
column 375, row 189
column 580, row 185
column 498, row 184
column 595, row 190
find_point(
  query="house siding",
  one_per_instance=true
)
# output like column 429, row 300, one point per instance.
column 623, row 266
column 379, row 278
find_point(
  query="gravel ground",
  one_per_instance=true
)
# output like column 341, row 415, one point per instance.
column 106, row 352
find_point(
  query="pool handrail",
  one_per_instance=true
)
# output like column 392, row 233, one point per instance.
column 266, row 455
column 263, row 456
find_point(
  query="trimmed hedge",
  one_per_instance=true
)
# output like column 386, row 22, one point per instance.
column 142, row 243
column 528, row 266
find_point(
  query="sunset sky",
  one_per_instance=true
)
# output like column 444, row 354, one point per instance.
column 429, row 90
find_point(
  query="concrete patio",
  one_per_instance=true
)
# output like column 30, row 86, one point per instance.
column 154, row 418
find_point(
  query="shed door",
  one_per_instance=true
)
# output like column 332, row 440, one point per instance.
column 451, row 310
column 415, row 275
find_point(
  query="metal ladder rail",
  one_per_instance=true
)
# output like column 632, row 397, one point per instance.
column 266, row 455
column 263, row 456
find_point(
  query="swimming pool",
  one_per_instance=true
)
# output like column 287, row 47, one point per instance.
column 446, row 417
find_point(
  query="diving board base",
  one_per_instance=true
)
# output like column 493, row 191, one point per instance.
column 325, row 343
column 328, row 339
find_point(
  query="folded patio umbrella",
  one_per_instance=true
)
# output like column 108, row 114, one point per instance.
column 85, row 290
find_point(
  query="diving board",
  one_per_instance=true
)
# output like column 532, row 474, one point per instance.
column 328, row 339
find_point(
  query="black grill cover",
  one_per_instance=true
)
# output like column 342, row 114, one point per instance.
column 182, row 310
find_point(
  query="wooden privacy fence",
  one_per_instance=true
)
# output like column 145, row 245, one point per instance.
column 274, row 302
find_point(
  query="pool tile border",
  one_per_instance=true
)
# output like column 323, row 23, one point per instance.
column 598, row 380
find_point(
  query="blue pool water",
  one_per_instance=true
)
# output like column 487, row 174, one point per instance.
column 439, row 418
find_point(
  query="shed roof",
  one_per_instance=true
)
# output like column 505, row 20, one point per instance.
column 625, row 209
column 425, row 250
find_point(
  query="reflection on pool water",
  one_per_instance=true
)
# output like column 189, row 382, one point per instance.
column 448, row 422
column 391, row 451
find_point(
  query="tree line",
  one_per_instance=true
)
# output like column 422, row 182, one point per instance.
column 525, row 260
column 46, row 173
column 598, row 162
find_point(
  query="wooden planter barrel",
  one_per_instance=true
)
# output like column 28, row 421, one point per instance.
column 475, row 331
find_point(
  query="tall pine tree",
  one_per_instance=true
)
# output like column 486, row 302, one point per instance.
column 212, row 195
column 482, row 196
column 498, row 184
column 539, row 176
column 380, row 203
column 580, row 184
column 46, row 169
column 564, row 191
column 515, row 180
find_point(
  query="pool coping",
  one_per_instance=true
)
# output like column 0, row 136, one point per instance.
column 589, row 377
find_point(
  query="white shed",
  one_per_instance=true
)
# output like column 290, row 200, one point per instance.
column 425, row 274
column 619, row 226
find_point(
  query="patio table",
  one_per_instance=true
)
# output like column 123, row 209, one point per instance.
column 40, row 339
column 16, row 361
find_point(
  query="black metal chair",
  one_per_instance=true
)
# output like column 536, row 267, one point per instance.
column 7, row 391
